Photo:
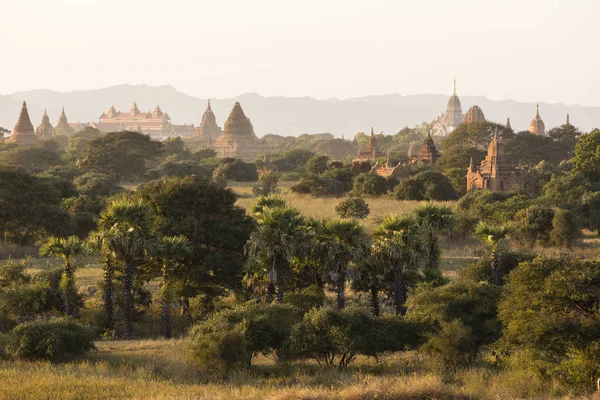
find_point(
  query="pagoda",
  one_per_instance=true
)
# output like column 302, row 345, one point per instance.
column 208, row 130
column 537, row 126
column 371, row 152
column 428, row 153
column 23, row 133
column 62, row 127
column 45, row 130
column 388, row 170
column 496, row 172
column 238, row 138
column 475, row 114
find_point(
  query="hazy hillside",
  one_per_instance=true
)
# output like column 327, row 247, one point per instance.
column 286, row 116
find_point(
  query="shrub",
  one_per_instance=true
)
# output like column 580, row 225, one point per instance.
column 354, row 207
column 534, row 224
column 53, row 340
column 369, row 185
column 565, row 229
column 236, row 170
column 426, row 185
column 266, row 185
column 317, row 186
column 317, row 164
column 179, row 169
column 96, row 185
column 480, row 271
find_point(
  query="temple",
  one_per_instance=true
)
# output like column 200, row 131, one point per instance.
column 453, row 116
column 45, row 130
column 208, row 130
column 23, row 133
column 537, row 126
column 62, row 127
column 496, row 172
column 238, row 138
column 475, row 114
column 371, row 152
column 427, row 154
column 155, row 123
column 388, row 170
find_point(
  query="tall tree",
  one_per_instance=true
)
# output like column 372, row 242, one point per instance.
column 100, row 242
column 434, row 220
column 493, row 235
column 171, row 251
column 396, row 244
column 66, row 249
column 130, row 225
column 280, row 235
column 342, row 244
column 587, row 155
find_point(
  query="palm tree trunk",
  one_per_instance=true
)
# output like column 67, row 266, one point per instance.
column 68, row 290
column 374, row 300
column 341, row 288
column 496, row 275
column 108, row 294
column 399, row 292
column 279, row 280
column 270, row 292
column 128, row 300
column 166, row 304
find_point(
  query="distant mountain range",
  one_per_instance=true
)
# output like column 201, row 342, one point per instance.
column 284, row 115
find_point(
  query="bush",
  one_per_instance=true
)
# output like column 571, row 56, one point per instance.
column 53, row 340
column 354, row 207
column 565, row 229
column 96, row 185
column 266, row 185
column 480, row 270
column 317, row 186
column 179, row 169
column 370, row 185
column 534, row 224
column 236, row 170
column 426, row 185
column 230, row 338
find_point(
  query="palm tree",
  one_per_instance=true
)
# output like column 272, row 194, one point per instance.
column 66, row 249
column 100, row 242
column 434, row 220
column 341, row 243
column 171, row 251
column 281, row 234
column 272, row 201
column 370, row 277
column 396, row 244
column 493, row 234
column 129, row 225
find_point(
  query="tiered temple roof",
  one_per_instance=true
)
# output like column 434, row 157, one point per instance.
column 371, row 152
column 238, row 138
column 451, row 118
column 208, row 130
column 428, row 153
column 475, row 114
column 23, row 133
column 62, row 127
column 387, row 170
column 45, row 130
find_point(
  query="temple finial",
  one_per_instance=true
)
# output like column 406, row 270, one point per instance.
column 471, row 164
column 508, row 123
column 537, row 110
column 495, row 135
column 372, row 134
column 568, row 119
column 429, row 135
column 454, row 92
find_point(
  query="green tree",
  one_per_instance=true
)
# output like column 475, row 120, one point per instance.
column 587, row 155
column 268, row 201
column 130, row 225
column 121, row 154
column 96, row 185
column 280, row 235
column 434, row 220
column 533, row 224
column 493, row 235
column 426, row 185
column 342, row 244
column 590, row 209
column 565, row 229
column 267, row 184
column 101, row 242
column 66, row 249
column 171, row 251
column 353, row 207
column 31, row 159
column 317, row 164
column 396, row 245
column 369, row 278
column 369, row 185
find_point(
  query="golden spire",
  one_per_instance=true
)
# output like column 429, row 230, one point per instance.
column 454, row 92
column 537, row 110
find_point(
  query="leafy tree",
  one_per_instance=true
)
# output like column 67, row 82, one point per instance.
column 202, row 154
column 79, row 142
column 341, row 174
column 121, row 154
column 217, row 229
column 291, row 159
column 129, row 224
column 180, row 168
column 459, row 157
column 236, row 170
column 66, row 249
column 479, row 270
column 533, row 224
column 473, row 135
column 434, row 220
column 426, row 185
column 566, row 191
column 590, row 210
column 342, row 243
column 369, row 185
column 317, row 164
column 396, row 245
column 494, row 235
column 318, row 186
column 96, row 185
column 565, row 229
column 266, row 185
column 174, row 146
column 31, row 159
column 353, row 207
column 549, row 314
column 280, row 235
column 171, row 251
column 369, row 278
column 587, row 155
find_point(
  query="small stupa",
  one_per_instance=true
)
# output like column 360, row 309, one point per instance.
column 428, row 153
column 62, row 127
column 238, row 139
column 23, row 133
column 208, row 130
column 45, row 130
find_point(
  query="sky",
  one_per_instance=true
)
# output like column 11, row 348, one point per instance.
column 525, row 50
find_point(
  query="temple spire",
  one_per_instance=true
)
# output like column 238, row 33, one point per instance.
column 372, row 134
column 508, row 123
column 537, row 110
column 208, row 108
column 454, row 91
column 568, row 119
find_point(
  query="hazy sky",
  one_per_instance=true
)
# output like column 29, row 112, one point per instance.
column 525, row 50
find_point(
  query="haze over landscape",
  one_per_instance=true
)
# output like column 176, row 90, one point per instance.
column 511, row 50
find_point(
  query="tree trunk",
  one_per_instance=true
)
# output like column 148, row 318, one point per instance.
column 374, row 300
column 496, row 275
column 128, row 300
column 108, row 295
column 270, row 292
column 399, row 292
column 68, row 291
column 341, row 288
column 166, row 304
